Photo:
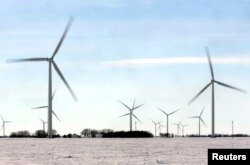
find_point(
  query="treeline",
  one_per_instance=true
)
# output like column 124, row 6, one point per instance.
column 27, row 134
column 88, row 132
column 109, row 133
column 219, row 135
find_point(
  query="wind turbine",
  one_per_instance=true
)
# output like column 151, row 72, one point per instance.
column 3, row 126
column 200, row 120
column 212, row 83
column 51, row 63
column 167, row 117
column 183, row 127
column 159, row 122
column 232, row 129
column 41, row 107
column 43, row 124
column 155, row 123
column 178, row 126
column 131, row 113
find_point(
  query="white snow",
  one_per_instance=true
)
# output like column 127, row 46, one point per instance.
column 31, row 151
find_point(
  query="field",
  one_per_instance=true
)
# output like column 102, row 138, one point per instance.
column 112, row 151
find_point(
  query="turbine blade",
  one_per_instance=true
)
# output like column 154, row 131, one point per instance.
column 194, row 117
column 124, row 115
column 124, row 105
column 137, row 118
column 153, row 121
column 7, row 121
column 53, row 94
column 56, row 116
column 138, row 106
column 159, row 122
column 162, row 111
column 174, row 111
column 41, row 120
column 210, row 62
column 190, row 102
column 133, row 104
column 202, row 111
column 229, row 86
column 203, row 121
column 2, row 117
column 2, row 126
column 64, row 80
column 27, row 60
column 63, row 36
column 40, row 107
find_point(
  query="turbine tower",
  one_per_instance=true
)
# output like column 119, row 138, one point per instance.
column 212, row 83
column 3, row 126
column 200, row 120
column 51, row 63
column 155, row 123
column 167, row 117
column 43, row 122
column 131, row 113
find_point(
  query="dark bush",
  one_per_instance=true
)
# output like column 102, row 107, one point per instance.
column 40, row 134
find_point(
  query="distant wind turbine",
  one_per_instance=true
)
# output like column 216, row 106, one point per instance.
column 155, row 123
column 200, row 120
column 178, row 126
column 232, row 128
column 47, row 107
column 131, row 113
column 212, row 82
column 51, row 63
column 183, row 127
column 3, row 126
column 160, row 125
column 135, row 126
column 167, row 117
column 43, row 122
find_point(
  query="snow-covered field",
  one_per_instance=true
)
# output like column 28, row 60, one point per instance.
column 112, row 151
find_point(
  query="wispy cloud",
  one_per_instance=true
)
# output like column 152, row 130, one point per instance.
column 177, row 60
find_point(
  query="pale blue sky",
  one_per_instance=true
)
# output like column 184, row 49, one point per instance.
column 120, row 50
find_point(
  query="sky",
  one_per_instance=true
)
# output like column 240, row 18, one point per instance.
column 148, row 50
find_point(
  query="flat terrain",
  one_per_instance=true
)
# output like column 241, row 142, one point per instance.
column 112, row 151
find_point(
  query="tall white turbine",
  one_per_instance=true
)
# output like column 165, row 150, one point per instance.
column 3, row 126
column 200, row 120
column 131, row 113
column 45, row 106
column 167, row 118
column 155, row 123
column 43, row 122
column 51, row 63
column 212, row 83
